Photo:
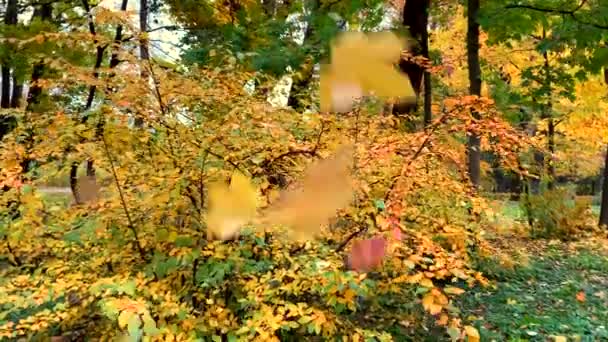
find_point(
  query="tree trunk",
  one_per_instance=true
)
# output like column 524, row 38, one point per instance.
column 299, row 93
column 17, row 93
column 5, row 101
column 547, row 114
column 473, row 145
column 114, row 61
column 10, row 18
column 7, row 123
column 604, row 203
column 428, row 88
column 45, row 13
column 144, row 49
column 428, row 99
column 551, row 146
column 416, row 19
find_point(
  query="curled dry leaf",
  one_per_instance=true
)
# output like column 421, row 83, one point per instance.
column 326, row 187
column 230, row 207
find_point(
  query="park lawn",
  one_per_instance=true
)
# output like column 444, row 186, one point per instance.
column 561, row 291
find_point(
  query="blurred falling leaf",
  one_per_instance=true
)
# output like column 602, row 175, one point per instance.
column 326, row 187
column 367, row 254
column 88, row 189
column 230, row 207
column 363, row 64
column 580, row 296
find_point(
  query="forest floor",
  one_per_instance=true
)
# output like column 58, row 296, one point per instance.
column 552, row 290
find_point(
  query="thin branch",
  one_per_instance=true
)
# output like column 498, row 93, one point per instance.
column 424, row 143
column 130, row 223
column 570, row 13
column 546, row 10
column 16, row 261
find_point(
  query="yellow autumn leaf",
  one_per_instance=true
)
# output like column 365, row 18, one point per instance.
column 560, row 338
column 426, row 282
column 326, row 187
column 230, row 207
column 472, row 333
column 123, row 319
column 453, row 290
column 428, row 302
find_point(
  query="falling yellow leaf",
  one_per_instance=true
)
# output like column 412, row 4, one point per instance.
column 230, row 207
column 472, row 333
column 560, row 339
column 363, row 64
column 326, row 187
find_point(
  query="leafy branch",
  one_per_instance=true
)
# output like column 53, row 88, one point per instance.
column 571, row 13
column 130, row 222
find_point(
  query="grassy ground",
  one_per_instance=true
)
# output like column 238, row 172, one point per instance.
column 561, row 292
column 552, row 290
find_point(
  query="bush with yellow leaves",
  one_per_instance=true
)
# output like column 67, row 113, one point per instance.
column 237, row 226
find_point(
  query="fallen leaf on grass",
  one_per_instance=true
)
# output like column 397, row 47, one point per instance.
column 580, row 296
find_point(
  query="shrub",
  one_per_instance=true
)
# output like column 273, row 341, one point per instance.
column 557, row 213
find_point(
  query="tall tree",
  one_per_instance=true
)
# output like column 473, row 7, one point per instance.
column 603, row 222
column 579, row 28
column 473, row 144
column 114, row 61
column 416, row 19
column 10, row 19
column 44, row 13
column 604, row 202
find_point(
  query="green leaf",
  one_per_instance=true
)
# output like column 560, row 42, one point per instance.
column 133, row 327
column 379, row 204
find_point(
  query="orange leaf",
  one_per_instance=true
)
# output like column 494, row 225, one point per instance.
column 581, row 297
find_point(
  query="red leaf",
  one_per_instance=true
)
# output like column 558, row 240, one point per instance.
column 367, row 254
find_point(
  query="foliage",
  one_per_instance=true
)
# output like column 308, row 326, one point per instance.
column 332, row 226
column 557, row 213
column 138, row 261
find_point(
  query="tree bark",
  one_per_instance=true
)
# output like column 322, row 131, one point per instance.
column 17, row 93
column 144, row 49
column 7, row 122
column 5, row 101
column 10, row 18
column 428, row 99
column 547, row 114
column 416, row 19
column 473, row 145
column 604, row 202
column 45, row 13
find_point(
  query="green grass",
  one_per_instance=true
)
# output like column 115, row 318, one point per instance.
column 539, row 301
